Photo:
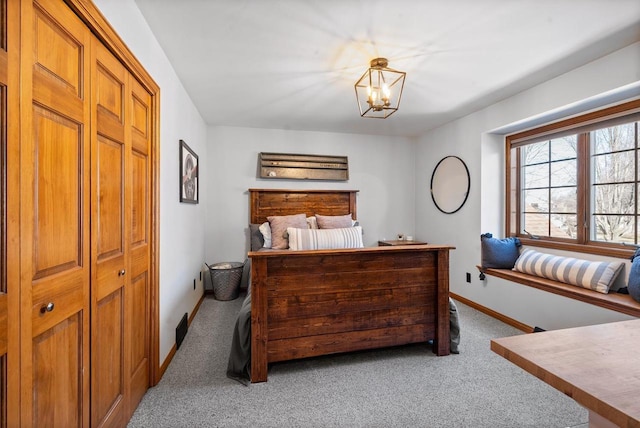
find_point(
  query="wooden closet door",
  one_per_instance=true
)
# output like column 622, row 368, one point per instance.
column 9, row 215
column 55, row 222
column 140, row 301
column 110, row 198
column 120, row 308
column 4, row 300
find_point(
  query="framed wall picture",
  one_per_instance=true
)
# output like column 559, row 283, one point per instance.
column 189, row 185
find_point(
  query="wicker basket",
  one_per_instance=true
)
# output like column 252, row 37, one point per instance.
column 225, row 279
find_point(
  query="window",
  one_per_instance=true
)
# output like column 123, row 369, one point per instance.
column 575, row 184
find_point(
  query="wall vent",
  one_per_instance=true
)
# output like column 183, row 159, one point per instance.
column 181, row 330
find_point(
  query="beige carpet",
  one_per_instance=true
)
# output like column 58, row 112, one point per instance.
column 395, row 387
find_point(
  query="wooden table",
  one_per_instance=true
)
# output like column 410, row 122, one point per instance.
column 598, row 366
column 400, row 242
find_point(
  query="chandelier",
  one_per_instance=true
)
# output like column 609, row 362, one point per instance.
column 379, row 89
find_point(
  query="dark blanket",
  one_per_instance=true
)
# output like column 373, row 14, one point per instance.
column 239, row 366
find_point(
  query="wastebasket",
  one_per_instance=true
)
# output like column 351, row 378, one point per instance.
column 225, row 279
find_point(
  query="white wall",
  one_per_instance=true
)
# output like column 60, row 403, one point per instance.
column 474, row 139
column 181, row 225
column 381, row 168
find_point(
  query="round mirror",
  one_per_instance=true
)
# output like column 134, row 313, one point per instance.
column 450, row 184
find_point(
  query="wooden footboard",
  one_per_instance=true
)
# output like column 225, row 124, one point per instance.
column 310, row 303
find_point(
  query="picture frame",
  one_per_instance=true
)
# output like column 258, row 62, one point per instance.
column 189, row 172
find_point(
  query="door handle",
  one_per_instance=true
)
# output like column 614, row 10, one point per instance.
column 48, row 308
column 121, row 273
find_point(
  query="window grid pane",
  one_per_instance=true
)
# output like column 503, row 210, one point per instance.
column 548, row 194
column 614, row 184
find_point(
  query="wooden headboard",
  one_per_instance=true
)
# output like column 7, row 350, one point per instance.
column 266, row 202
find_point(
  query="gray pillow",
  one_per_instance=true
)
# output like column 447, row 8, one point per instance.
column 255, row 237
column 499, row 253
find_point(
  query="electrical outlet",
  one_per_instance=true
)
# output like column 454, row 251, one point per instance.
column 194, row 283
column 200, row 275
column 468, row 277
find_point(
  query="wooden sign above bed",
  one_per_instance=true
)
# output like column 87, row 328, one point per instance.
column 303, row 167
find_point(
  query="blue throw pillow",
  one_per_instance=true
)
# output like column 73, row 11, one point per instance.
column 634, row 277
column 499, row 253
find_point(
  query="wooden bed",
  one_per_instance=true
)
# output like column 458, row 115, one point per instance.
column 310, row 303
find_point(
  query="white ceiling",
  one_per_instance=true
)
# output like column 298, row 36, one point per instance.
column 292, row 64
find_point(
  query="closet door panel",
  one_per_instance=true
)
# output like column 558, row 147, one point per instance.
column 4, row 298
column 140, row 302
column 140, row 334
column 108, row 377
column 54, row 223
column 139, row 206
column 58, row 193
column 111, row 194
column 59, row 271
column 10, row 215
column 109, row 244
column 57, row 370
column 57, row 52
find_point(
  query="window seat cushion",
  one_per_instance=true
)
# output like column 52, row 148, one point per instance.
column 594, row 275
column 623, row 303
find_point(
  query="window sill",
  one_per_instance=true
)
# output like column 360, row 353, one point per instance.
column 623, row 303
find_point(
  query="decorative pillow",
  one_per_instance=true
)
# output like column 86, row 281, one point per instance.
column 279, row 225
column 633, row 284
column 597, row 276
column 256, row 238
column 265, row 229
column 322, row 239
column 499, row 253
column 334, row 221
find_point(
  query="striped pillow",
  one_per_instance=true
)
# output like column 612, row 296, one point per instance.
column 322, row 239
column 597, row 276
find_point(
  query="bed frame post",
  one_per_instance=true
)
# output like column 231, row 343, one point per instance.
column 442, row 345
column 259, row 363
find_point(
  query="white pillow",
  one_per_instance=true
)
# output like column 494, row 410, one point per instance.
column 322, row 239
column 265, row 229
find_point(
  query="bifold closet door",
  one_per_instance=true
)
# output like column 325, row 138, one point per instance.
column 9, row 232
column 139, row 302
column 55, row 216
column 120, row 289
column 110, row 216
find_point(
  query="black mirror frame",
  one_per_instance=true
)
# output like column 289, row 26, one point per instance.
column 468, row 185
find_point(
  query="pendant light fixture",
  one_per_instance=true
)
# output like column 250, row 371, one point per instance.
column 379, row 90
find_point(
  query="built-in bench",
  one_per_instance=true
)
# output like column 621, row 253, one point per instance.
column 623, row 303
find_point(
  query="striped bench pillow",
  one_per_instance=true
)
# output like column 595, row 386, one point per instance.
column 322, row 239
column 597, row 276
